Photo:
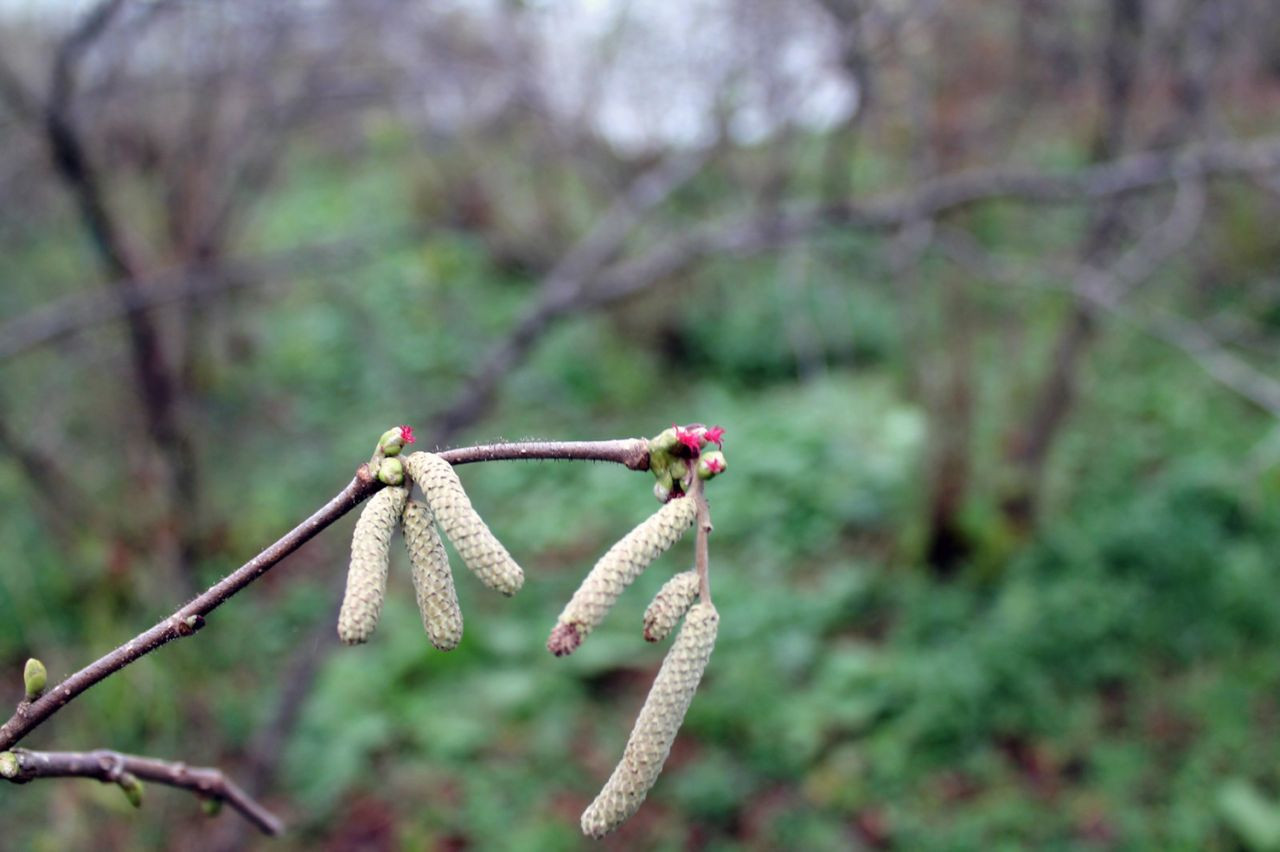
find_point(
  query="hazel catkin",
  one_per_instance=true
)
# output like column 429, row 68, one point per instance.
column 616, row 570
column 670, row 603
column 656, row 726
column 367, row 576
column 432, row 579
column 476, row 544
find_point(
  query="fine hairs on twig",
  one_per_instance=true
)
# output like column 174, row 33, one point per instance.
column 680, row 462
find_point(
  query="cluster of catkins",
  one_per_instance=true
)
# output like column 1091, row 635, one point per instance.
column 676, row 458
column 447, row 505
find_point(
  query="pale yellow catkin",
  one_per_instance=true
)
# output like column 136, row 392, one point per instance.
column 670, row 603
column 617, row 569
column 367, row 576
column 432, row 579
column 476, row 544
column 656, row 727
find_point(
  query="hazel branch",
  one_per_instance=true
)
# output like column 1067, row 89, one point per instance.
column 20, row 766
column 189, row 618
column 698, row 494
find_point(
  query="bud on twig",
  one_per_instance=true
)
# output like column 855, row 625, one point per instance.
column 669, row 605
column 394, row 440
column 34, row 678
column 432, row 579
column 712, row 464
column 664, row 442
column 9, row 765
column 367, row 576
column 617, row 569
column 132, row 788
column 390, row 472
column 656, row 727
column 211, row 806
column 476, row 544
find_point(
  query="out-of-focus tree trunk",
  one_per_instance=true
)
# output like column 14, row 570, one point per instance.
column 1053, row 400
column 947, row 543
column 948, row 371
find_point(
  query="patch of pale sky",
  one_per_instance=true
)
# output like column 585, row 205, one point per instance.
column 648, row 74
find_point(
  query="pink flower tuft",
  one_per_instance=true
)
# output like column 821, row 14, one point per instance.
column 715, row 465
column 406, row 434
column 688, row 437
column 715, row 435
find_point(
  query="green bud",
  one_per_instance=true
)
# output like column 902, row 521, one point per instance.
column 679, row 469
column 391, row 472
column 34, row 677
column 9, row 766
column 394, row 439
column 664, row 442
column 132, row 788
column 662, row 492
column 712, row 464
column 211, row 807
column 659, row 461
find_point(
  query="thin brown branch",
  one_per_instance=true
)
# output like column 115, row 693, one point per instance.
column 701, row 559
column 630, row 452
column 111, row 766
column 189, row 618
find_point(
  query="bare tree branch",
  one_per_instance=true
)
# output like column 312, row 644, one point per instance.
column 156, row 382
column 66, row 317
column 748, row 235
column 565, row 287
column 67, row 507
column 1102, row 289
column 1150, row 252
column 1224, row 367
column 111, row 767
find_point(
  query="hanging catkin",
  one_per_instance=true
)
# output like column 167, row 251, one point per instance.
column 616, row 570
column 670, row 603
column 432, row 579
column 482, row 553
column 656, row 727
column 367, row 576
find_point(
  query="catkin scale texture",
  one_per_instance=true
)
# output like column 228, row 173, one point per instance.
column 623, row 563
column 367, row 574
column 476, row 544
column 432, row 579
column 670, row 603
column 656, row 726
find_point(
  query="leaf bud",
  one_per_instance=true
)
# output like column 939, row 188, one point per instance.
column 391, row 472
column 34, row 677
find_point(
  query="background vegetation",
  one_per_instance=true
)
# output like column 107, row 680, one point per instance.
column 995, row 556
